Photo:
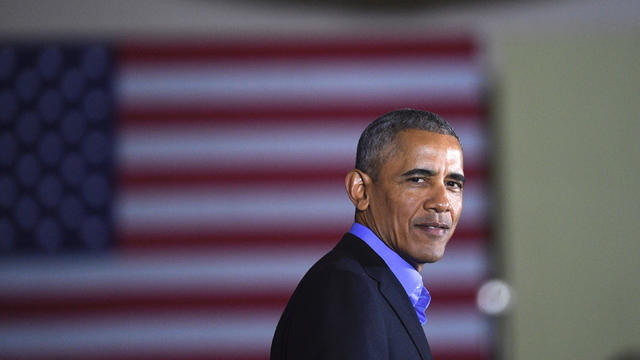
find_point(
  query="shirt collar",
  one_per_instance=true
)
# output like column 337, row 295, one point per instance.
column 409, row 277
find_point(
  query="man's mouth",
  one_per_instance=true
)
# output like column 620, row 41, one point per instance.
column 434, row 228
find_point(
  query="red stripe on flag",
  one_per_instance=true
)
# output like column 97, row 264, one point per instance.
column 153, row 354
column 191, row 238
column 167, row 177
column 207, row 238
column 60, row 306
column 297, row 49
column 454, row 354
column 123, row 303
column 186, row 354
column 194, row 114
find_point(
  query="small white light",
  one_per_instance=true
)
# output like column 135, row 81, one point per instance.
column 494, row 297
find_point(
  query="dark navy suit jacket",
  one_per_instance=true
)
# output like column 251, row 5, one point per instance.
column 349, row 305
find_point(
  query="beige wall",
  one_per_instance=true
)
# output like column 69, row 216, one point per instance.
column 569, row 122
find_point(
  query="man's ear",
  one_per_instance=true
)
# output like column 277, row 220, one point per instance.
column 357, row 184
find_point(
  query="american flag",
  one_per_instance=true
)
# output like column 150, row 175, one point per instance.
column 161, row 199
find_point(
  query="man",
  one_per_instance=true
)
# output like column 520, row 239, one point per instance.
column 365, row 299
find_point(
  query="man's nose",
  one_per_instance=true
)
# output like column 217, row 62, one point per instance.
column 438, row 200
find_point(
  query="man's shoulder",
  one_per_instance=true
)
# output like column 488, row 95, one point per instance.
column 350, row 255
column 348, row 264
column 338, row 281
column 342, row 308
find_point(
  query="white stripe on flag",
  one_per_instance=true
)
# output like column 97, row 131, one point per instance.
column 258, row 269
column 170, row 332
column 307, row 145
column 457, row 329
column 264, row 207
column 240, row 83
column 116, row 335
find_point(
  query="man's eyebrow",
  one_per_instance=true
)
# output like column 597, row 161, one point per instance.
column 457, row 177
column 426, row 172
column 421, row 172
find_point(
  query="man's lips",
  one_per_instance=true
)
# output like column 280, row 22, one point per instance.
column 434, row 224
column 434, row 227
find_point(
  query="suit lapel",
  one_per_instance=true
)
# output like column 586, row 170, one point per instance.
column 397, row 298
column 391, row 290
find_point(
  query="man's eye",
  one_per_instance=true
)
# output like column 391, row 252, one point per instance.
column 416, row 179
column 454, row 184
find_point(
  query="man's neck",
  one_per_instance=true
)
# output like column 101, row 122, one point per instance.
column 362, row 218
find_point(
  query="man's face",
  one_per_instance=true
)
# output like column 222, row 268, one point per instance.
column 415, row 203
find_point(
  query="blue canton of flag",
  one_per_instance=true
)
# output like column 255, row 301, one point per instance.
column 56, row 125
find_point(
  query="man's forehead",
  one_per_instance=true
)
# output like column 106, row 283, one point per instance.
column 428, row 142
column 406, row 149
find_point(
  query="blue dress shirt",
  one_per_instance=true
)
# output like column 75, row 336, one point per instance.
column 408, row 276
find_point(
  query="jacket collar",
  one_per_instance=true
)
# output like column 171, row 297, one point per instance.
column 391, row 290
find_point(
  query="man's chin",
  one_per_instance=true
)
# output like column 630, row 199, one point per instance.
column 431, row 260
column 432, row 256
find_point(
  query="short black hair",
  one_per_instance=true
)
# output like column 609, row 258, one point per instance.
column 382, row 131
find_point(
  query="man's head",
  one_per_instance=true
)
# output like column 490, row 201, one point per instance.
column 373, row 144
column 407, row 185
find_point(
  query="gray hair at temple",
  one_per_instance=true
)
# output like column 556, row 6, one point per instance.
column 382, row 131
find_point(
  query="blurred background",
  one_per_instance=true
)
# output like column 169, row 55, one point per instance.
column 170, row 169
